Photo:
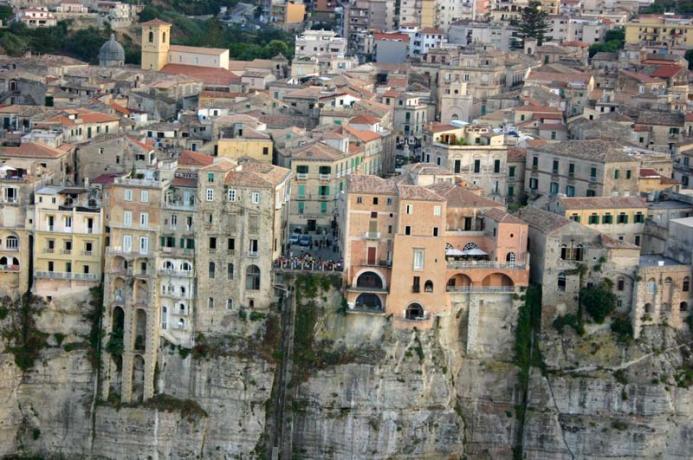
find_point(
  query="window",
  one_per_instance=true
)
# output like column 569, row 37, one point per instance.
column 144, row 245
column 229, row 271
column 252, row 278
column 553, row 188
column 621, row 284
column 127, row 194
column 212, row 242
column 511, row 191
column 127, row 218
column 252, row 247
column 435, row 231
column 575, row 217
column 639, row 217
column 212, row 270
column 554, row 169
column 436, row 210
column 616, row 173
column 561, row 281
column 144, row 219
column 265, row 150
column 496, row 166
column 359, row 200
column 127, row 243
column 533, row 183
column 477, row 166
column 535, row 162
column 410, row 209
column 255, row 197
column 652, row 287
column 571, row 169
column 594, row 219
column 302, row 169
column 144, row 196
column 231, row 244
column 50, row 266
column 418, row 259
column 683, row 307
column 229, row 304
column 231, row 194
column 375, row 200
column 511, row 171
column 210, row 177
column 607, row 218
column 593, row 172
column 407, row 230
column 590, row 193
column 622, row 218
column 570, row 190
column 637, row 240
column 628, row 174
column 685, row 286
column 210, row 302
column 210, row 194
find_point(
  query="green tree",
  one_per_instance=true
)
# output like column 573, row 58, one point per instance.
column 13, row 44
column 613, row 41
column 534, row 23
column 599, row 301
column 6, row 13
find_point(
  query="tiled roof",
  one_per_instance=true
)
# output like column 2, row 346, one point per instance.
column 544, row 221
column 31, row 150
column 391, row 36
column 270, row 173
column 197, row 50
column 190, row 158
column 363, row 136
column 666, row 71
column 651, row 117
column 603, row 202
column 436, row 127
column 207, row 75
column 592, row 149
column 641, row 77
column 364, row 119
column 500, row 215
column 417, row 193
column 459, row 197
column 357, row 183
column 317, row 151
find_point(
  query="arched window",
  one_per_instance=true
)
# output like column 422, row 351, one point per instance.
column 164, row 317
column 510, row 258
column 651, row 286
column 12, row 242
column 181, row 308
column 578, row 252
column 252, row 278
column 683, row 307
column 428, row 286
column 151, row 37
column 181, row 323
column 686, row 284
column 561, row 281
column 163, row 38
column 186, row 267
column 414, row 311
column 168, row 265
column 621, row 284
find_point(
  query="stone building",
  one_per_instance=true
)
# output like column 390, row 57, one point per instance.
column 191, row 243
column 581, row 168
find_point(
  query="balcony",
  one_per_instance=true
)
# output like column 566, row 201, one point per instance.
column 9, row 268
column 66, row 252
column 301, row 176
column 178, row 273
column 372, row 235
column 67, row 276
column 88, row 253
column 325, row 176
column 49, row 251
column 480, row 289
column 457, row 264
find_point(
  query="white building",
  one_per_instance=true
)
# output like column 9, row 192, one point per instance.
column 37, row 17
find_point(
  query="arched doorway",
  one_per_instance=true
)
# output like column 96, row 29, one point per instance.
column 368, row 301
column 414, row 311
column 140, row 330
column 369, row 280
column 459, row 282
column 497, row 280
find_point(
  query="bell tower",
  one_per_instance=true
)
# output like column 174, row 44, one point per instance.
column 156, row 36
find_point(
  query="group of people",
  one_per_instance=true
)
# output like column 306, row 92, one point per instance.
column 308, row 262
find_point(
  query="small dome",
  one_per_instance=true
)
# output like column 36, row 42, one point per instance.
column 111, row 53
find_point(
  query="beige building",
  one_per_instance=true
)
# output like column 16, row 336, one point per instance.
column 670, row 31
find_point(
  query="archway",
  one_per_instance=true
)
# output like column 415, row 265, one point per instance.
column 138, row 378
column 119, row 264
column 428, row 286
column 497, row 280
column 369, row 280
column 459, row 281
column 368, row 301
column 140, row 330
column 414, row 311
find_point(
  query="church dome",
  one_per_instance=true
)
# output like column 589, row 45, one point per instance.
column 111, row 53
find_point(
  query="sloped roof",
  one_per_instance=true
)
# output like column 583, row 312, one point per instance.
column 603, row 202
column 31, row 150
column 358, row 183
column 190, row 158
column 207, row 75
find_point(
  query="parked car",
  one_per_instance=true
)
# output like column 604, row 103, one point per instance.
column 305, row 240
column 293, row 238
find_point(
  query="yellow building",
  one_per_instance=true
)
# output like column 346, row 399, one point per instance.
column 68, row 240
column 241, row 141
column 666, row 30
column 621, row 217
column 428, row 13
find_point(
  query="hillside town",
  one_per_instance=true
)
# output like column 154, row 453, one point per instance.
column 438, row 157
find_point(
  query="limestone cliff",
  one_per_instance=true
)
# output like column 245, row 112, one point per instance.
column 364, row 390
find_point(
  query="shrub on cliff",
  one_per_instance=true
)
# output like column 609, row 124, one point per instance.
column 599, row 301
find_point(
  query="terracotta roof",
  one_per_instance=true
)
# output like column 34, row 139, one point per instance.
column 184, row 181
column 190, row 158
column 207, row 75
column 317, row 151
column 666, row 71
column 107, row 178
column 270, row 173
column 436, row 127
column 357, row 183
column 544, row 221
column 391, row 36
column 592, row 149
column 364, row 119
column 576, row 44
column 639, row 76
column 603, row 202
column 361, row 135
column 460, row 197
column 31, row 150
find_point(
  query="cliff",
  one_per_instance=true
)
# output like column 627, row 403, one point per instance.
column 359, row 389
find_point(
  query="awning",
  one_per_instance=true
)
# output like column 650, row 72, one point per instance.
column 453, row 252
column 474, row 252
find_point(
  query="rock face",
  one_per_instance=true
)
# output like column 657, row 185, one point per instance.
column 373, row 392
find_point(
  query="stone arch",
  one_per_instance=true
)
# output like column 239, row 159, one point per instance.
column 138, row 378
column 428, row 286
column 369, row 301
column 12, row 242
column 140, row 294
column 668, row 291
column 497, row 280
column 370, row 279
column 459, row 281
column 414, row 311
column 683, row 307
column 117, row 334
column 119, row 264
column 168, row 265
column 140, row 330
column 383, row 281
column 119, row 290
